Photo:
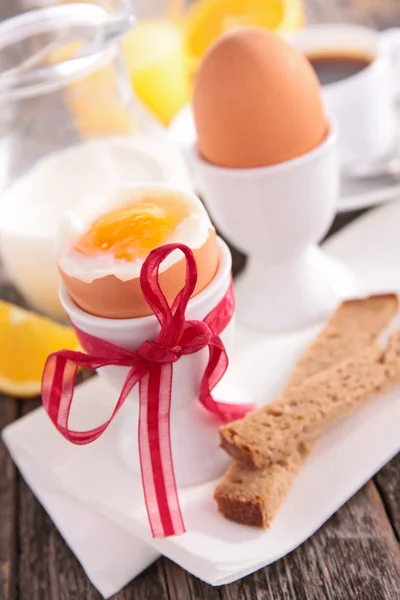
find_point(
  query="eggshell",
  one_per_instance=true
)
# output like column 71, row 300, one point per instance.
column 257, row 101
column 112, row 298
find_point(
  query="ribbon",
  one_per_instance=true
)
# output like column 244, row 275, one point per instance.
column 151, row 367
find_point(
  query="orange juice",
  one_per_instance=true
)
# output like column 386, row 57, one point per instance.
column 155, row 59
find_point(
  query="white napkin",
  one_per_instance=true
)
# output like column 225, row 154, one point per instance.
column 76, row 484
column 110, row 555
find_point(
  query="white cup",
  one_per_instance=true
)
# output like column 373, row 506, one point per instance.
column 196, row 454
column 277, row 215
column 363, row 104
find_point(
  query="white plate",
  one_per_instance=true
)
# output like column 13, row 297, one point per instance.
column 356, row 194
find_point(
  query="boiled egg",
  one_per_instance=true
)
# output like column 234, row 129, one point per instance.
column 257, row 101
column 100, row 252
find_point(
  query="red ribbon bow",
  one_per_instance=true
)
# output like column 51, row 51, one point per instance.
column 151, row 368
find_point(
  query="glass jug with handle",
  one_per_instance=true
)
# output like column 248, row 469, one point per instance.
column 70, row 129
column 154, row 52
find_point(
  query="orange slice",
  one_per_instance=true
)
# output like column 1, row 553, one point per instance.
column 26, row 340
column 208, row 19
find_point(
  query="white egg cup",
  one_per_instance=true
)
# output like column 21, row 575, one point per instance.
column 277, row 215
column 196, row 454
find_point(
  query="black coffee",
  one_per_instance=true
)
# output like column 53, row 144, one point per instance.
column 331, row 68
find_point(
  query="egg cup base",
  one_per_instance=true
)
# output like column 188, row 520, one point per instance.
column 265, row 293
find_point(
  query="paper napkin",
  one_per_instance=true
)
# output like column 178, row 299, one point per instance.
column 93, row 479
column 76, row 482
column 110, row 555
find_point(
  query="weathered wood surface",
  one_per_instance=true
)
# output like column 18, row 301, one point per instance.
column 354, row 556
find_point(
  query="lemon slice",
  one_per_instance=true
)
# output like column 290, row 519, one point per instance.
column 26, row 340
column 208, row 19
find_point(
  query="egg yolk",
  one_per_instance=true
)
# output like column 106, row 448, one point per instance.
column 131, row 232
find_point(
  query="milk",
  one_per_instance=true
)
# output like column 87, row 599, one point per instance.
column 31, row 208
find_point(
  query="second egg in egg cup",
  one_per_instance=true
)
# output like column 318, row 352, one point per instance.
column 266, row 163
column 277, row 215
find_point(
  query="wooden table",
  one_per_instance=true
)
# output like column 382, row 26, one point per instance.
column 354, row 556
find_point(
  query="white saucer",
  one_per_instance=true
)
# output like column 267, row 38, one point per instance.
column 356, row 194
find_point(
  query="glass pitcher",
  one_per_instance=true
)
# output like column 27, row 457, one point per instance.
column 70, row 128
column 154, row 52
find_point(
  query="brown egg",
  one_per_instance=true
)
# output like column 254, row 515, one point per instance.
column 100, row 263
column 112, row 298
column 257, row 101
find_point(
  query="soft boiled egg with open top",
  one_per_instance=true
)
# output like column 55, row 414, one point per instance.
column 101, row 250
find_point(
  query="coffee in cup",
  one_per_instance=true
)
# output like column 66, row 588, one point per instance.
column 356, row 69
column 332, row 66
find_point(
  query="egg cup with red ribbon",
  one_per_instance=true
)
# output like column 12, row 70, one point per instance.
column 148, row 289
column 267, row 166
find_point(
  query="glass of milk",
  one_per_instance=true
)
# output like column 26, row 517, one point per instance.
column 70, row 132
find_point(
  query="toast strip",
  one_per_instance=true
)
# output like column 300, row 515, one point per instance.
column 253, row 497
column 272, row 433
column 352, row 327
column 306, row 409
